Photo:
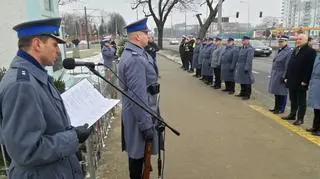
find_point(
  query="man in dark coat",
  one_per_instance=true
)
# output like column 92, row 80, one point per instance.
column 297, row 78
column 279, row 66
column 182, row 51
column 152, row 47
column 189, row 46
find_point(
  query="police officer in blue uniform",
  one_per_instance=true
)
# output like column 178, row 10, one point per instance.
column 35, row 127
column 195, row 58
column 228, row 62
column 201, row 57
column 243, row 74
column 108, row 51
column 279, row 66
column 216, row 62
column 206, row 70
column 138, row 72
column 314, row 97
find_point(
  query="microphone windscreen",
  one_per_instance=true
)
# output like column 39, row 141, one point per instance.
column 69, row 63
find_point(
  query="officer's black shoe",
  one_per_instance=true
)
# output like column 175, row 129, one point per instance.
column 316, row 133
column 311, row 129
column 277, row 112
column 298, row 122
column 240, row 95
column 289, row 117
column 225, row 90
column 245, row 98
column 272, row 110
column 216, row 87
column 231, row 92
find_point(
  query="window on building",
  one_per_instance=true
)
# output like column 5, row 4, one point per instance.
column 48, row 5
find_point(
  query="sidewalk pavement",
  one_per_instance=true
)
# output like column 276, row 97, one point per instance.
column 221, row 137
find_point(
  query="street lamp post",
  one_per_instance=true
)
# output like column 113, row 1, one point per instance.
column 248, row 3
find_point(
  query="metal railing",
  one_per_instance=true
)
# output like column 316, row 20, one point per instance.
column 90, row 152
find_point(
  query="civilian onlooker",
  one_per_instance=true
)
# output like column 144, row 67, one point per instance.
column 297, row 78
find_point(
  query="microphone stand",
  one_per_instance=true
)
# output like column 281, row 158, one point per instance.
column 160, row 168
column 158, row 117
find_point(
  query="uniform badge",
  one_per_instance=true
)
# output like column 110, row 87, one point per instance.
column 23, row 75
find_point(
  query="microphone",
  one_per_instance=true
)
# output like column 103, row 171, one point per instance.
column 70, row 63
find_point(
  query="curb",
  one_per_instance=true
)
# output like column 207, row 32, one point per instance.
column 161, row 53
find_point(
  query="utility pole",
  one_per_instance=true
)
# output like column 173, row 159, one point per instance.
column 87, row 33
column 220, row 17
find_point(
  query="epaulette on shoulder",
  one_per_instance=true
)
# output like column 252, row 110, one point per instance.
column 22, row 75
column 134, row 53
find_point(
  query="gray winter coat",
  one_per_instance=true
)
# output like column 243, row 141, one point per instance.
column 108, row 54
column 243, row 74
column 216, row 56
column 195, row 60
column 201, row 53
column 314, row 87
column 206, row 69
column 35, row 126
column 279, row 67
column 229, row 59
column 137, row 71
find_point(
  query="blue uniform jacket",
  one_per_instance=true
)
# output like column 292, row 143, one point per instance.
column 138, row 71
column 35, row 125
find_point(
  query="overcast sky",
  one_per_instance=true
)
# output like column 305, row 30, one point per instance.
column 230, row 7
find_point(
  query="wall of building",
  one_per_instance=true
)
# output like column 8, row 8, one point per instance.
column 12, row 12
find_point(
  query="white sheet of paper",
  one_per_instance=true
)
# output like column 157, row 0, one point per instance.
column 84, row 103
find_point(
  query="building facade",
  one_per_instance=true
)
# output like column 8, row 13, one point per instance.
column 16, row 11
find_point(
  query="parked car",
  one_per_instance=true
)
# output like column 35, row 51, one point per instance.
column 260, row 49
column 174, row 42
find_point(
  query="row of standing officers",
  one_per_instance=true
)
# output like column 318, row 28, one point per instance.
column 294, row 71
column 215, row 62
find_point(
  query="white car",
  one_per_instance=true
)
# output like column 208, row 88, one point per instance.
column 174, row 42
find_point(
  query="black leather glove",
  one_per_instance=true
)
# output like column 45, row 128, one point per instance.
column 148, row 134
column 83, row 132
column 246, row 71
column 160, row 127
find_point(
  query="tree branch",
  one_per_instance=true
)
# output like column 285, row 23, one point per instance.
column 139, row 3
column 199, row 20
column 156, row 20
column 209, row 4
column 159, row 9
column 145, row 13
column 169, row 10
column 164, row 7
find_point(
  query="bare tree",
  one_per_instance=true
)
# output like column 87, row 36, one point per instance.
column 213, row 13
column 116, row 24
column 160, row 10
